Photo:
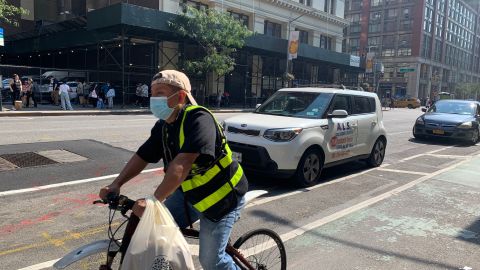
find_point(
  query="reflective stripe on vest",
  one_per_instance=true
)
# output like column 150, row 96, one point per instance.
column 199, row 180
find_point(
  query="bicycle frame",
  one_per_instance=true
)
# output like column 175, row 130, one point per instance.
column 112, row 248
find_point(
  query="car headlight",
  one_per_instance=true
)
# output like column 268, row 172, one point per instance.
column 282, row 135
column 465, row 125
column 420, row 121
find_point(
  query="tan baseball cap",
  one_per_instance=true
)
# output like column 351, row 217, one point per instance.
column 177, row 79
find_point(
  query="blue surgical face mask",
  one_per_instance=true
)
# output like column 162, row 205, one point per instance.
column 159, row 107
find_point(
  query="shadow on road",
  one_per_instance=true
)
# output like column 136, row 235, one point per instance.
column 440, row 142
column 268, row 216
column 471, row 234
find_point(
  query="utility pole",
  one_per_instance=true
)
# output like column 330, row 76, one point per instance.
column 288, row 43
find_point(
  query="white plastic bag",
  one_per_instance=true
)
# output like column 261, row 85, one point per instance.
column 157, row 242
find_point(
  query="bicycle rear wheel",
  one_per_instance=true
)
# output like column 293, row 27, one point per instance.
column 263, row 249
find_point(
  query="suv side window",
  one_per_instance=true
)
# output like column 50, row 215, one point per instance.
column 341, row 102
column 363, row 105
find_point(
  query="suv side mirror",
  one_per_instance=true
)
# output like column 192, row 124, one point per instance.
column 338, row 114
column 258, row 105
column 424, row 109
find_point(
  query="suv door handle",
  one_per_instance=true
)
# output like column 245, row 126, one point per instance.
column 354, row 125
column 374, row 123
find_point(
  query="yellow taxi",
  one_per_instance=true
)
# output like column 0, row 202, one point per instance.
column 411, row 103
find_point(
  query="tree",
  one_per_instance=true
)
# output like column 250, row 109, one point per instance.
column 9, row 13
column 217, row 33
column 468, row 91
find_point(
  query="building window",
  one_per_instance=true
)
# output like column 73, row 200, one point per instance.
column 372, row 28
column 390, row 26
column 306, row 2
column 273, row 29
column 392, row 13
column 195, row 4
column 376, row 3
column 406, row 25
column 404, row 52
column 405, row 40
column 242, row 18
column 388, row 52
column 325, row 42
column 375, row 16
column 388, row 41
column 354, row 44
column 355, row 5
column 302, row 36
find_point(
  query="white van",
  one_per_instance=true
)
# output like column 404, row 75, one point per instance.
column 299, row 131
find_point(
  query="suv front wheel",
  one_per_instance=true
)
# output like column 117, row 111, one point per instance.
column 309, row 168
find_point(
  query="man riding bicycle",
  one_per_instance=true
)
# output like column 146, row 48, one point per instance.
column 201, row 180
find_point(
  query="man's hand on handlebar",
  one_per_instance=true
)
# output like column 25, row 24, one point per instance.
column 112, row 188
column 139, row 207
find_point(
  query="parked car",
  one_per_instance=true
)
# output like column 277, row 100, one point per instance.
column 411, row 103
column 455, row 119
column 299, row 131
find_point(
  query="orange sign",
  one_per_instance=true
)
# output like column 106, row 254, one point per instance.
column 293, row 45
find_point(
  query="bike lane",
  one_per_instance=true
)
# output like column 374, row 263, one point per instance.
column 432, row 225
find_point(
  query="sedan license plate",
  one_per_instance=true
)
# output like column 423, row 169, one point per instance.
column 438, row 132
column 237, row 156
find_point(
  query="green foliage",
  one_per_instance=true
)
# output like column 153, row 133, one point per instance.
column 9, row 12
column 468, row 90
column 217, row 33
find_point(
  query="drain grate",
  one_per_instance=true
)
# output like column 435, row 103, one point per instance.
column 28, row 159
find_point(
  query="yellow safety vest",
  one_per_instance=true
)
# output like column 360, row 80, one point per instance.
column 214, row 191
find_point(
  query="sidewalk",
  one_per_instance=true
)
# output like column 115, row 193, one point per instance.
column 51, row 110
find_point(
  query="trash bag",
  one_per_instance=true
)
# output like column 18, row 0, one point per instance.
column 157, row 242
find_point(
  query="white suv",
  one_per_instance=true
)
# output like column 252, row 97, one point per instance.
column 299, row 131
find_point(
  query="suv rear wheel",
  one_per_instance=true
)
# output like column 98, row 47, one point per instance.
column 309, row 168
column 378, row 153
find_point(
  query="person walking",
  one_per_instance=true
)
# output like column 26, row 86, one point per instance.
column 64, row 96
column 110, row 96
column 82, row 97
column 32, row 87
column 144, row 93
column 15, row 88
column 202, row 181
column 54, row 90
column 138, row 95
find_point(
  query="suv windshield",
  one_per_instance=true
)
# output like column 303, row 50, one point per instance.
column 296, row 104
column 453, row 108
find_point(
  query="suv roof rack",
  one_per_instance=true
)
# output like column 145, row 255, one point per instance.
column 337, row 86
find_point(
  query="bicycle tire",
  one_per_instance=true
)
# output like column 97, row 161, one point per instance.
column 257, row 248
column 93, row 262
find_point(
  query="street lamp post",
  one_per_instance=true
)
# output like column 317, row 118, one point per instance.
column 288, row 44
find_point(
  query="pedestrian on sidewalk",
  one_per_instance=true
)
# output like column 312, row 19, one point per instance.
column 110, row 96
column 138, row 95
column 64, row 97
column 53, row 88
column 93, row 96
column 82, row 96
column 219, row 100
column 392, row 103
column 144, row 94
column 15, row 88
column 32, row 88
column 23, row 94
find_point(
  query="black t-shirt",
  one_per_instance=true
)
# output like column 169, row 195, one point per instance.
column 201, row 137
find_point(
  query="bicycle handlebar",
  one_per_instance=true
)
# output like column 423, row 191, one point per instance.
column 117, row 202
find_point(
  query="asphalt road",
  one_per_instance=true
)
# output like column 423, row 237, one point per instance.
column 418, row 211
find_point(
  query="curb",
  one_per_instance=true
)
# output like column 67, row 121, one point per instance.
column 97, row 112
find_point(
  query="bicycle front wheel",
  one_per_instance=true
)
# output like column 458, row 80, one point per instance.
column 263, row 249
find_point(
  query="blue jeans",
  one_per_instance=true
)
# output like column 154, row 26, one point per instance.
column 213, row 235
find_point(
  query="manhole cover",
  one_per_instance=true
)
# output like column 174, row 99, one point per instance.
column 28, row 159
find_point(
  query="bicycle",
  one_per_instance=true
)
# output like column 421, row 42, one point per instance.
column 258, row 249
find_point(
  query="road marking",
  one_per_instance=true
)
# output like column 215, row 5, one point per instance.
column 76, row 182
column 448, row 156
column 426, row 153
column 401, row 171
column 397, row 133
